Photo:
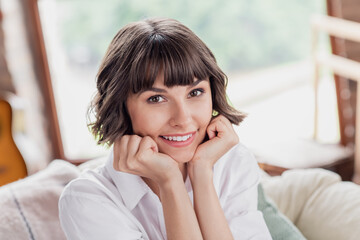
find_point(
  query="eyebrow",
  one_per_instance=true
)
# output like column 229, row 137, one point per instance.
column 161, row 90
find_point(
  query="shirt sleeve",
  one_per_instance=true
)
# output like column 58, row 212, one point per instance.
column 240, row 204
column 85, row 216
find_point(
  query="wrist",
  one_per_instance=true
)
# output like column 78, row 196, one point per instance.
column 200, row 172
column 168, row 174
column 171, row 188
column 172, row 181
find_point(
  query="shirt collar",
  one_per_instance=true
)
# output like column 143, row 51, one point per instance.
column 131, row 187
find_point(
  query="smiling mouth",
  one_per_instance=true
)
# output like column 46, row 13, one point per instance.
column 178, row 138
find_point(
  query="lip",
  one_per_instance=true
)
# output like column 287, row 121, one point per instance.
column 182, row 143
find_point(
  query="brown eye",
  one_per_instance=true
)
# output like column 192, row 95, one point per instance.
column 196, row 92
column 155, row 99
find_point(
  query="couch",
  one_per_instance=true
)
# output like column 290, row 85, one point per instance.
column 316, row 201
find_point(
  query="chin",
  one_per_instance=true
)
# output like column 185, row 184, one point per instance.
column 183, row 157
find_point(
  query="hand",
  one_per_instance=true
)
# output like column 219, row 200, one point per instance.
column 222, row 138
column 140, row 156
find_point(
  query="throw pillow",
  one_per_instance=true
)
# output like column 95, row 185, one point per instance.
column 280, row 227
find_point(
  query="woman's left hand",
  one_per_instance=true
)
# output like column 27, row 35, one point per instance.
column 222, row 138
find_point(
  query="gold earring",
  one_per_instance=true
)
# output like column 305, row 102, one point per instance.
column 215, row 113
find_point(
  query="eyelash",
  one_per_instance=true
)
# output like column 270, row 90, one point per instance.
column 197, row 90
column 200, row 91
column 151, row 99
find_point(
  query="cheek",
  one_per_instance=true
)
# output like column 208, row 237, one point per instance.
column 207, row 112
column 146, row 123
column 205, row 116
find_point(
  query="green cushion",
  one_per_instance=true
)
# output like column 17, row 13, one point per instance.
column 280, row 227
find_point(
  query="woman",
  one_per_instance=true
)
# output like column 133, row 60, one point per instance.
column 177, row 170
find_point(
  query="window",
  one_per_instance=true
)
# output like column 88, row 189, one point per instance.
column 263, row 46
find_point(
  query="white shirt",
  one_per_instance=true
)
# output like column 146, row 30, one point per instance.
column 108, row 204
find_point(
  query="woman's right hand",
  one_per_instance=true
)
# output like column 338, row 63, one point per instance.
column 140, row 156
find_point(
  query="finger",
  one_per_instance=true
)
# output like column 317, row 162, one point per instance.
column 216, row 128
column 124, row 146
column 211, row 130
column 133, row 145
column 132, row 148
column 120, row 151
column 116, row 148
column 146, row 144
column 224, row 120
column 228, row 130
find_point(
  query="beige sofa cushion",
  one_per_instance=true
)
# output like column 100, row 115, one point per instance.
column 29, row 207
column 317, row 202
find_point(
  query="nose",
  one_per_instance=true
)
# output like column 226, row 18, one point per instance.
column 181, row 114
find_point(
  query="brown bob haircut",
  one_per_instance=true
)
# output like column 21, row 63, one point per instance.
column 135, row 57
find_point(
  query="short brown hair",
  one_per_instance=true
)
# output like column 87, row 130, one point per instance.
column 135, row 57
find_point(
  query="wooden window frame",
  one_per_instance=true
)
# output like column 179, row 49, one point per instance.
column 38, row 51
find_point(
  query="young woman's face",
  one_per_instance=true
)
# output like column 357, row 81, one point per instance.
column 176, row 118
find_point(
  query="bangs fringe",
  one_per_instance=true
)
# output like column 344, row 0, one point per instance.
column 176, row 60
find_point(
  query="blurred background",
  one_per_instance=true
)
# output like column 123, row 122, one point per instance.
column 53, row 48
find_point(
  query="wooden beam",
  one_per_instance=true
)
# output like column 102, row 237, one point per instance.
column 341, row 66
column 337, row 27
column 37, row 45
column 356, row 177
column 334, row 9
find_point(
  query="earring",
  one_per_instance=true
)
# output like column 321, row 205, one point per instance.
column 215, row 113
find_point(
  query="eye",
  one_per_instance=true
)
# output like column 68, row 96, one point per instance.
column 196, row 92
column 155, row 99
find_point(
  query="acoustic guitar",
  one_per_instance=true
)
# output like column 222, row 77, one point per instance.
column 12, row 164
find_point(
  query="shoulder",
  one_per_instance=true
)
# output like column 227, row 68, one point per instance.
column 89, row 206
column 91, row 183
column 91, row 187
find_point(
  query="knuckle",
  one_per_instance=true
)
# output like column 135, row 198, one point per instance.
column 130, row 165
column 135, row 137
column 123, row 140
column 147, row 139
column 225, row 120
column 119, row 166
column 140, row 156
column 219, row 117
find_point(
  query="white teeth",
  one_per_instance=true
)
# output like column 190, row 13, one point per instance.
column 178, row 138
